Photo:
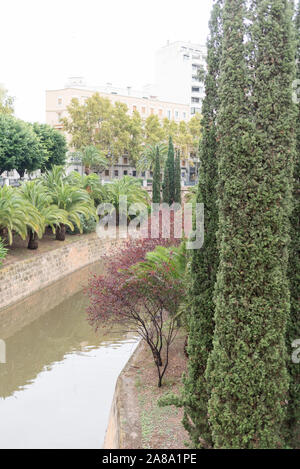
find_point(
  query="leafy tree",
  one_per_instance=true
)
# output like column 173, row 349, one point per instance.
column 135, row 145
column 142, row 299
column 247, row 367
column 108, row 127
column 54, row 144
column 156, row 180
column 293, row 330
column 6, row 102
column 177, row 178
column 87, row 123
column 154, row 132
column 20, row 148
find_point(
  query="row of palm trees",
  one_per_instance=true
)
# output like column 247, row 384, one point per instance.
column 58, row 201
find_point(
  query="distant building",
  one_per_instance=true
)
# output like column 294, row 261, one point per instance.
column 142, row 101
column 177, row 66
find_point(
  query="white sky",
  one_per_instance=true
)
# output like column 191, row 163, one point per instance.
column 45, row 41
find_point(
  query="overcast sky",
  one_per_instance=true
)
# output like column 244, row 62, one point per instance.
column 45, row 41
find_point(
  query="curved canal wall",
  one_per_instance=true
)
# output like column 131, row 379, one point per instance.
column 123, row 427
column 22, row 278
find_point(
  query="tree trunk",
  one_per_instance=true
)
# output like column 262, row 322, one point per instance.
column 61, row 232
column 33, row 241
column 157, row 358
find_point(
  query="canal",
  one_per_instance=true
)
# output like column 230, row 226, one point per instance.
column 57, row 384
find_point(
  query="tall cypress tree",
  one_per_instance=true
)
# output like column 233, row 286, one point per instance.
column 169, row 179
column 156, row 180
column 177, row 177
column 247, row 367
column 293, row 331
column 204, row 261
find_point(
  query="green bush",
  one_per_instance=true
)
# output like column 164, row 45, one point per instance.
column 88, row 225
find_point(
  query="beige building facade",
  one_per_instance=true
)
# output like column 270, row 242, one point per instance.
column 57, row 102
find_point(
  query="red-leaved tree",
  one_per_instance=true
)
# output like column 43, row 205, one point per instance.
column 144, row 303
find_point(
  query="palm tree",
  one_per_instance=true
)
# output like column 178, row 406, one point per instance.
column 38, row 195
column 53, row 177
column 75, row 202
column 147, row 159
column 91, row 157
column 131, row 188
column 91, row 183
column 17, row 215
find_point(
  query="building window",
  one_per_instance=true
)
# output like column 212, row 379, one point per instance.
column 169, row 114
column 183, row 163
column 116, row 173
column 195, row 100
column 151, row 174
column 152, row 111
column 143, row 110
column 160, row 113
column 125, row 160
column 184, row 115
column 143, row 174
column 125, row 173
column 59, row 101
column 134, row 108
column 195, row 89
column 134, row 173
column 176, row 114
column 106, row 172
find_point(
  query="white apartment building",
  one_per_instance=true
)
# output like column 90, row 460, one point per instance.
column 177, row 66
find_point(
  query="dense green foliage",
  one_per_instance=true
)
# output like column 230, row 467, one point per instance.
column 169, row 173
column 54, row 145
column 26, row 147
column 177, row 179
column 293, row 330
column 156, row 180
column 20, row 148
column 204, row 262
column 247, row 367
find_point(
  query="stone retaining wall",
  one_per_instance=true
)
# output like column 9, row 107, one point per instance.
column 22, row 278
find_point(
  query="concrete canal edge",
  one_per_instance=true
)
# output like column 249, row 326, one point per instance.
column 25, row 277
column 124, row 427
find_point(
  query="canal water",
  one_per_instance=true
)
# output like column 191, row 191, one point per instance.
column 57, row 384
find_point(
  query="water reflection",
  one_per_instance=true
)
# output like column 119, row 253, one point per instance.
column 57, row 385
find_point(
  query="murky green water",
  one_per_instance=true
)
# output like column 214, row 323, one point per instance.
column 57, row 386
